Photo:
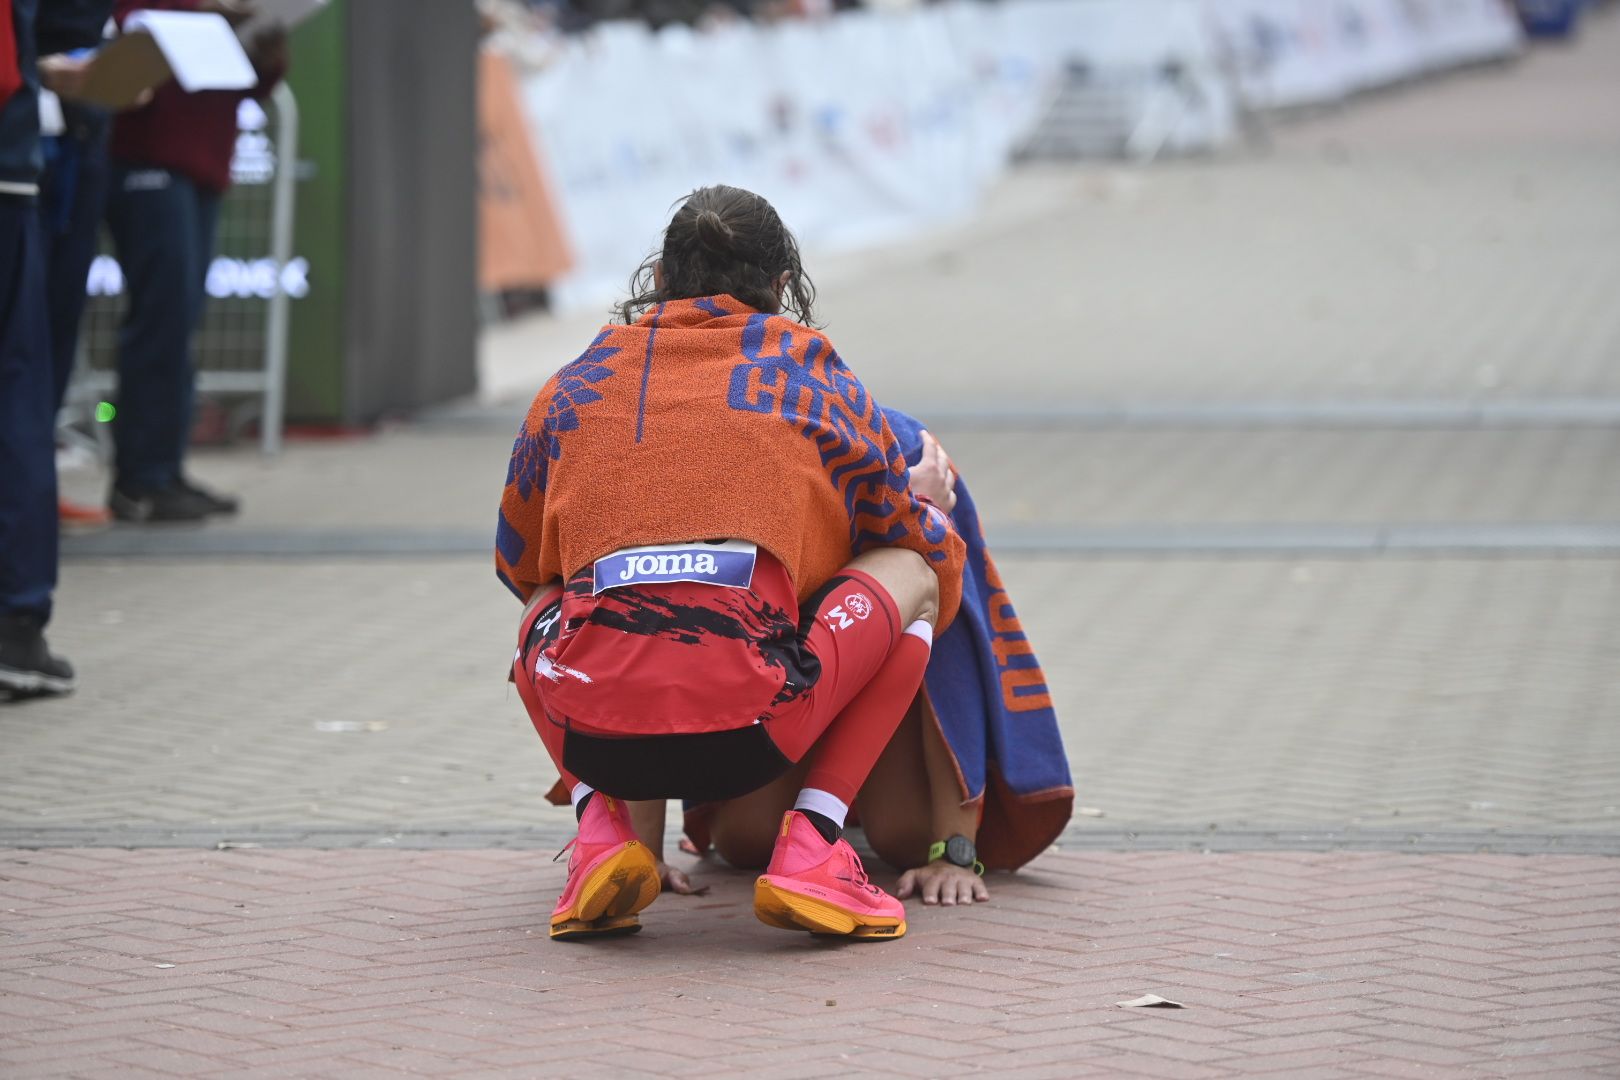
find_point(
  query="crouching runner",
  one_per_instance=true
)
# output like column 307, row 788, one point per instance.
column 728, row 570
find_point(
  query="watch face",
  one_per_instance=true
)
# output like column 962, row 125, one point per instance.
column 960, row 850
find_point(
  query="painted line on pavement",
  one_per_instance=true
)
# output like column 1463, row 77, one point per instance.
column 1477, row 540
column 1425, row 841
column 1443, row 413
column 1419, row 414
column 1593, row 540
column 160, row 542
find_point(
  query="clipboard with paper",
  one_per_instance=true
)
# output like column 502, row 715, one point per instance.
column 198, row 50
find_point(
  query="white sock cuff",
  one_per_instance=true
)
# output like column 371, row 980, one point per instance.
column 924, row 629
column 824, row 803
column 583, row 789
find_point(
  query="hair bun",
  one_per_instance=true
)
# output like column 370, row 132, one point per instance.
column 713, row 232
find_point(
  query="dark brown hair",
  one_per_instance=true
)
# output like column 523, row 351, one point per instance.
column 725, row 240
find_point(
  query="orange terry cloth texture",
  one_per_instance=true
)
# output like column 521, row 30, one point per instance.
column 706, row 420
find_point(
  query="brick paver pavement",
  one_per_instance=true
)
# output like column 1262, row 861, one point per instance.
column 1384, row 692
column 346, row 964
column 1449, row 251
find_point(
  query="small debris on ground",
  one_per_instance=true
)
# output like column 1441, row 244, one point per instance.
column 1150, row 1001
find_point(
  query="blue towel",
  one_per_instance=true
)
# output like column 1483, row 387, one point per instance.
column 990, row 695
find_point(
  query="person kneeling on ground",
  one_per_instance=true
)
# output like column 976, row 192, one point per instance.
column 727, row 572
column 975, row 778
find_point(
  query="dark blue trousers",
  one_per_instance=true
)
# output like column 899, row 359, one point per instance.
column 72, row 195
column 163, row 230
column 27, row 418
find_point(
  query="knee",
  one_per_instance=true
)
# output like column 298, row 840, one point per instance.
column 745, row 845
column 918, row 598
column 908, row 578
column 901, row 845
column 928, row 600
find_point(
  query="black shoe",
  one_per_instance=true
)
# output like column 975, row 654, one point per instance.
column 27, row 668
column 132, row 502
column 216, row 503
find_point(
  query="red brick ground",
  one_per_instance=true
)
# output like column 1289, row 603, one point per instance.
column 357, row 963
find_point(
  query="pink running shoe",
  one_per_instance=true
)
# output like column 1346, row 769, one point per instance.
column 820, row 887
column 611, row 875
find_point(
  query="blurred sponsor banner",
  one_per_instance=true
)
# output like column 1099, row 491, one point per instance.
column 1551, row 18
column 869, row 125
column 1288, row 53
column 520, row 237
column 859, row 128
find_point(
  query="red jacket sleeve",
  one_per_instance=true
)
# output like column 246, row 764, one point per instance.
column 11, row 79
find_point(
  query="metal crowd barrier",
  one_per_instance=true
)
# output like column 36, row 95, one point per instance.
column 241, row 347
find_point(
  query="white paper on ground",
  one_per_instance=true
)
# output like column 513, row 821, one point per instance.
column 1150, row 1001
column 200, row 49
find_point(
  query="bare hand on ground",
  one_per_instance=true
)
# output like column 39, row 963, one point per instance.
column 675, row 881
column 932, row 477
column 944, row 883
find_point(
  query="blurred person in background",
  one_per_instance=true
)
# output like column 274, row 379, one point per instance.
column 171, row 163
column 28, row 523
column 73, row 187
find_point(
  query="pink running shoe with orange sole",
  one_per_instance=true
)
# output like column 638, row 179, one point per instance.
column 820, row 887
column 611, row 875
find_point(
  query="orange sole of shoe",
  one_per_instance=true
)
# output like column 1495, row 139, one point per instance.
column 607, row 926
column 611, row 895
column 788, row 910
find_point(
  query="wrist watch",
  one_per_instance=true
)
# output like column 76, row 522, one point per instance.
column 957, row 850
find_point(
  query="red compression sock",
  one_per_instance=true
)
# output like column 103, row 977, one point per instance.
column 844, row 755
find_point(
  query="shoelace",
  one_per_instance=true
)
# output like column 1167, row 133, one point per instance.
column 564, row 849
column 858, row 876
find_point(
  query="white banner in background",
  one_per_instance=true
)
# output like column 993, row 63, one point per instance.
column 874, row 124
column 857, row 128
column 1306, row 52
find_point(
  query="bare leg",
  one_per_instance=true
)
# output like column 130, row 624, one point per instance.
column 907, row 578
column 914, row 798
column 894, row 803
column 648, row 819
column 744, row 829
